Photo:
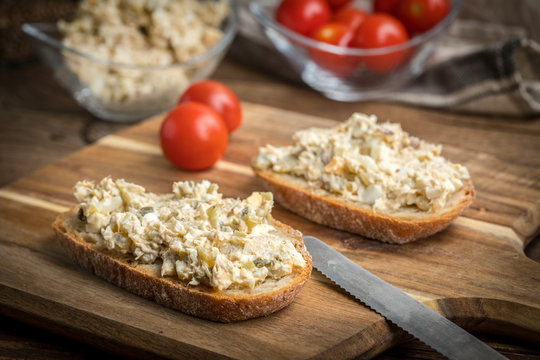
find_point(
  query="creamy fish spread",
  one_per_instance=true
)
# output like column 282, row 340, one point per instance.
column 376, row 164
column 197, row 234
column 140, row 33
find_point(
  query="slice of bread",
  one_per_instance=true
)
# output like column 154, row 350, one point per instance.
column 325, row 208
column 200, row 301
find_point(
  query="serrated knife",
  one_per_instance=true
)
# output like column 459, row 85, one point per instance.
column 412, row 316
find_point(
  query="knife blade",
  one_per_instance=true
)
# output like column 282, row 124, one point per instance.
column 393, row 304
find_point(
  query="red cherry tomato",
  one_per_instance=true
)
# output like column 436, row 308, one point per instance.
column 386, row 6
column 219, row 97
column 349, row 15
column 193, row 136
column 339, row 34
column 421, row 15
column 303, row 16
column 377, row 31
column 335, row 33
column 336, row 4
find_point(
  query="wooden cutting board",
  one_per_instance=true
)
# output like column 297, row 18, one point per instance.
column 474, row 273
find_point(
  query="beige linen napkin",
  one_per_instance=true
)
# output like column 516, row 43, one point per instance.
column 480, row 68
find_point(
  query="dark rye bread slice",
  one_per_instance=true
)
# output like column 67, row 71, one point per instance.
column 200, row 301
column 325, row 208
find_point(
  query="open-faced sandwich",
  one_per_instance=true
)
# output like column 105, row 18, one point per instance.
column 367, row 178
column 217, row 258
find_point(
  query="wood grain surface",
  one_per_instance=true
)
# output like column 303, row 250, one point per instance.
column 475, row 272
column 40, row 123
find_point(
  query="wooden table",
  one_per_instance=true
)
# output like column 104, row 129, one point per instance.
column 40, row 123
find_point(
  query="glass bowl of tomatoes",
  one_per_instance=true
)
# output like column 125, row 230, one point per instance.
column 353, row 51
column 136, row 67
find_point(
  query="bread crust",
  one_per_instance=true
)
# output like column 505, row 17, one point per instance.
column 330, row 210
column 200, row 301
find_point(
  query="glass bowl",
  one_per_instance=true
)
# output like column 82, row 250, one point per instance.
column 123, row 92
column 350, row 74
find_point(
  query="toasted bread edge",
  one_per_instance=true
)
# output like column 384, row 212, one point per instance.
column 197, row 301
column 336, row 213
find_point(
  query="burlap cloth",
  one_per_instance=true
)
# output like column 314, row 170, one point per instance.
column 488, row 63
